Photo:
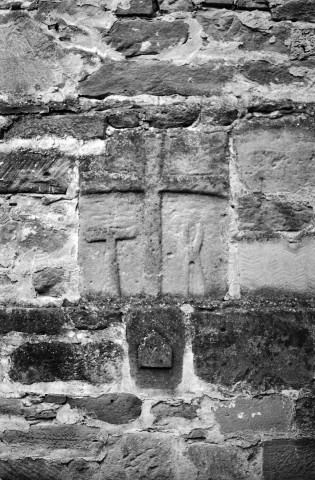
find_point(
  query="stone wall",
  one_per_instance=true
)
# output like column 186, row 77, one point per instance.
column 157, row 252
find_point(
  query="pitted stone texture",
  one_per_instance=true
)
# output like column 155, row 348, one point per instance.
column 221, row 462
column 47, row 362
column 24, row 171
column 53, row 441
column 194, row 250
column 156, row 78
column 266, row 414
column 48, row 321
column 276, row 155
column 277, row 264
column 302, row 10
column 260, row 349
column 112, row 244
column 143, row 37
column 302, row 43
column 116, row 408
column 305, row 414
column 48, row 281
column 258, row 213
column 38, row 235
column 168, row 324
column 289, row 459
column 83, row 127
column 155, row 352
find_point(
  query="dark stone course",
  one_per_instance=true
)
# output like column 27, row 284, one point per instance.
column 124, row 118
column 94, row 318
column 301, row 10
column 34, row 172
column 48, row 362
column 287, row 459
column 116, row 408
column 265, row 73
column 171, row 116
column 257, row 213
column 55, row 398
column 83, row 127
column 157, row 78
column 262, row 349
column 162, row 410
column 167, row 322
column 265, row 414
column 41, row 321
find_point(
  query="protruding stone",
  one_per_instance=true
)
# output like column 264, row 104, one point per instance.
column 155, row 352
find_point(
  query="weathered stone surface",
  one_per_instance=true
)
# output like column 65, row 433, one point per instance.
column 37, row 233
column 124, row 118
column 166, row 322
column 31, row 469
column 305, row 414
column 193, row 247
column 156, row 78
column 195, row 161
column 138, row 8
column 256, row 212
column 302, row 10
column 277, row 264
column 289, row 459
column 35, row 172
column 112, row 244
column 171, row 116
column 55, row 398
column 91, row 318
column 143, row 37
column 46, row 362
column 266, row 414
column 138, row 456
column 169, row 6
column 64, row 441
column 263, row 349
column 48, row 321
column 220, row 462
column 85, row 127
column 302, row 43
column 276, row 155
column 264, row 73
column 155, row 352
column 49, row 281
column 117, row 408
column 181, row 409
column 252, row 30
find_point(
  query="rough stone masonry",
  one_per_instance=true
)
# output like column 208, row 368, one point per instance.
column 157, row 240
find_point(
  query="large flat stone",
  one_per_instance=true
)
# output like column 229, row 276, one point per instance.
column 276, row 155
column 194, row 249
column 155, row 78
column 302, row 10
column 260, row 349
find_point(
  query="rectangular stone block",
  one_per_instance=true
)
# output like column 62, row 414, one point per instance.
column 35, row 172
column 276, row 155
column 38, row 249
column 277, row 264
column 287, row 459
column 111, row 253
column 196, row 161
column 194, row 250
column 261, row 349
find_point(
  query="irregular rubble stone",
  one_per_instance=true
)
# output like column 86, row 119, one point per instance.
column 40, row 362
column 48, row 281
column 302, row 10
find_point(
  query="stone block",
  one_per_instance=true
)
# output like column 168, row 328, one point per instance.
column 289, row 459
column 276, row 155
column 155, row 352
column 38, row 240
column 116, row 408
column 98, row 362
column 220, row 462
column 84, row 127
column 41, row 321
column 143, row 37
column 195, row 161
column 112, row 245
column 278, row 265
column 259, row 349
column 35, row 172
column 32, row 469
column 156, row 78
column 258, row 213
column 145, row 8
column 66, row 441
column 194, row 251
column 302, row 43
column 169, row 6
column 305, row 414
column 301, row 10
column 171, row 116
column 166, row 323
column 264, row 72
column 162, row 410
column 266, row 414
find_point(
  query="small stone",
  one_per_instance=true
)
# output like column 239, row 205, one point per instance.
column 48, row 281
